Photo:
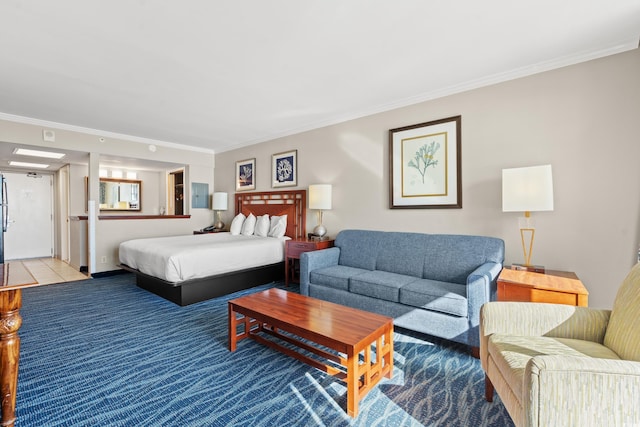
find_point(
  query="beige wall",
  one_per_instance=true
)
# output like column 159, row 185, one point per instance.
column 584, row 120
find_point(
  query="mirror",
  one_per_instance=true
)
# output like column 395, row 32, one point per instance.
column 120, row 194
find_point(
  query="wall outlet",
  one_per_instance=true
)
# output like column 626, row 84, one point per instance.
column 103, row 260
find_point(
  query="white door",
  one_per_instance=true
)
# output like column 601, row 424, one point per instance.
column 30, row 230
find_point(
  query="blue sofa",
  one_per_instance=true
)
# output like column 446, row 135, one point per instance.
column 430, row 283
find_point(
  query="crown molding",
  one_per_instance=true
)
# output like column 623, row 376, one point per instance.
column 100, row 133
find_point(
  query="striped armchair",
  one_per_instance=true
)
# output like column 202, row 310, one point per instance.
column 558, row 365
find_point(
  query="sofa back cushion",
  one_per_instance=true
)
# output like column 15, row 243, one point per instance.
column 359, row 248
column 623, row 331
column 442, row 257
column 402, row 253
column 451, row 258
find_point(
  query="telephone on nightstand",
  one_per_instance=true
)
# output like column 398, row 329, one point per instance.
column 209, row 228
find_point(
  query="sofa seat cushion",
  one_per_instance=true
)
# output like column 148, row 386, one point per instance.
column 448, row 298
column 336, row 276
column 379, row 284
column 511, row 353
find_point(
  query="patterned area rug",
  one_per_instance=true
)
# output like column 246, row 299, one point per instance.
column 102, row 352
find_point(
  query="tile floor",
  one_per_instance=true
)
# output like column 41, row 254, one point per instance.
column 51, row 270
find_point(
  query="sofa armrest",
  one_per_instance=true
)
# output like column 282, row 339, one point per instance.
column 481, row 285
column 541, row 319
column 569, row 390
column 310, row 261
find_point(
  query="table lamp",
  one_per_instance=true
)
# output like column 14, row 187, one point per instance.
column 219, row 204
column 320, row 199
column 527, row 190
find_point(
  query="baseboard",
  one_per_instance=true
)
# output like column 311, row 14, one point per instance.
column 108, row 273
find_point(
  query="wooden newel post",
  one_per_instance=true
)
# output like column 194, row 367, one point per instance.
column 10, row 321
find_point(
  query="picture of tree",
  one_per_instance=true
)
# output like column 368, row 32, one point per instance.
column 424, row 158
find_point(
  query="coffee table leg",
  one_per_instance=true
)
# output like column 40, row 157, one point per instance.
column 352, row 383
column 233, row 328
column 388, row 339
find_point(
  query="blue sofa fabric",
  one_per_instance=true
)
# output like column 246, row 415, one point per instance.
column 430, row 283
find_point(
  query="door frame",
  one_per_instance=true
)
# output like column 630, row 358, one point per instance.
column 63, row 231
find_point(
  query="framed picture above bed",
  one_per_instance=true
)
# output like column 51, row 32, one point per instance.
column 284, row 169
column 246, row 175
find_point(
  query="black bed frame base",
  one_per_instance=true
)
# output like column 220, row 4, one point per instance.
column 196, row 290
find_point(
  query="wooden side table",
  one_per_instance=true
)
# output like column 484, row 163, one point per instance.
column 553, row 286
column 293, row 249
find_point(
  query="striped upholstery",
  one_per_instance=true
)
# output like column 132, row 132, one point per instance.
column 562, row 365
column 513, row 352
column 623, row 332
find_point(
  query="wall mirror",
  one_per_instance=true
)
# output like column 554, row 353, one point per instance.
column 120, row 194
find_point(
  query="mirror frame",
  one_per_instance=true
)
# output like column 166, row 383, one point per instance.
column 124, row 181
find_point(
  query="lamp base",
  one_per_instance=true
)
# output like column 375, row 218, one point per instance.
column 218, row 225
column 532, row 268
column 320, row 230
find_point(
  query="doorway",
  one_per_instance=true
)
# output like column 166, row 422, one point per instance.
column 176, row 193
column 30, row 224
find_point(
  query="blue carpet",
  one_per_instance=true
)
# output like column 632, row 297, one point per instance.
column 103, row 352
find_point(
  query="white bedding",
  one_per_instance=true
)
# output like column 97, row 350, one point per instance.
column 180, row 258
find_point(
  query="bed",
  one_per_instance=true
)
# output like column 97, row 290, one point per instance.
column 210, row 274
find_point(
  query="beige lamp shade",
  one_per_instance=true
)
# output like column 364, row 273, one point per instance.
column 220, row 201
column 528, row 189
column 320, row 196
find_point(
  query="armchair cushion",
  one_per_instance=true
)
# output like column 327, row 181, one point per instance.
column 511, row 353
column 623, row 333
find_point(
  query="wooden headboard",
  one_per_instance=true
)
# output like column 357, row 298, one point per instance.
column 292, row 203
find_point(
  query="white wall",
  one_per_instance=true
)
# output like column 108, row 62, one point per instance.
column 584, row 120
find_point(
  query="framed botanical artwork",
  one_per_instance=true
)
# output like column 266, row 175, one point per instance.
column 284, row 169
column 425, row 165
column 246, row 175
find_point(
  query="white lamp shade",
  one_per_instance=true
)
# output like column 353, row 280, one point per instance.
column 219, row 201
column 320, row 196
column 527, row 189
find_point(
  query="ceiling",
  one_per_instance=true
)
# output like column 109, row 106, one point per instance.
column 219, row 75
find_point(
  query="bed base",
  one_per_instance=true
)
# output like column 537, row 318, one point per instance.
column 197, row 290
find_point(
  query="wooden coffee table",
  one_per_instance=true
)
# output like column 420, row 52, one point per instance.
column 346, row 330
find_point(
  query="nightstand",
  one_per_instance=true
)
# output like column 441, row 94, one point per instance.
column 553, row 286
column 293, row 249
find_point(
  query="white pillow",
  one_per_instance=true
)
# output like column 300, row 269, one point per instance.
column 262, row 226
column 249, row 225
column 236, row 224
column 278, row 226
